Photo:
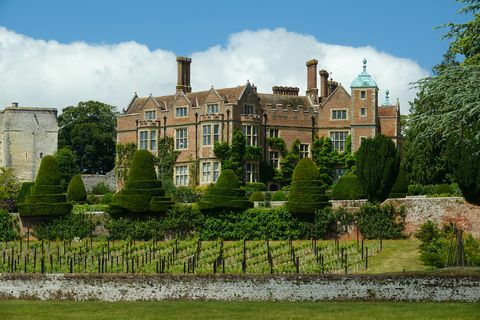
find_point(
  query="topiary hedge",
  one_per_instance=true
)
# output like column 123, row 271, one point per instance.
column 25, row 190
column 279, row 196
column 143, row 193
column 348, row 188
column 256, row 196
column 225, row 195
column 46, row 198
column 307, row 192
column 76, row 190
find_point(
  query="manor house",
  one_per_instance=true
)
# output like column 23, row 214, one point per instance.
column 196, row 120
column 26, row 135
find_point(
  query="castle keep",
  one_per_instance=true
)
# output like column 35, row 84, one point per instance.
column 26, row 135
column 196, row 120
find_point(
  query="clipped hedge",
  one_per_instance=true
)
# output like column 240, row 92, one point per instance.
column 348, row 187
column 25, row 190
column 225, row 195
column 307, row 192
column 279, row 196
column 256, row 196
column 46, row 198
column 143, row 194
column 76, row 190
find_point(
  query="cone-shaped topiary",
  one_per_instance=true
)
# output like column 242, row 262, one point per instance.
column 46, row 198
column 143, row 193
column 76, row 190
column 256, row 196
column 348, row 188
column 307, row 192
column 225, row 195
column 24, row 191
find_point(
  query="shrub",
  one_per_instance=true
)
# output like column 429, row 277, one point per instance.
column 463, row 160
column 225, row 195
column 101, row 188
column 107, row 198
column 183, row 221
column 76, row 190
column 185, row 195
column 46, row 198
column 279, row 196
column 68, row 227
column 25, row 190
column 307, row 192
column 348, row 188
column 9, row 229
column 134, row 229
column 143, row 193
column 378, row 163
column 256, row 196
column 251, row 187
column 381, row 222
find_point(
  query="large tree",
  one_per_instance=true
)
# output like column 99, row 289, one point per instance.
column 89, row 130
column 67, row 166
column 378, row 162
column 446, row 112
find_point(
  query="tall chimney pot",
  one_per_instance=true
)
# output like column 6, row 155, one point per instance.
column 323, row 83
column 312, row 90
column 183, row 74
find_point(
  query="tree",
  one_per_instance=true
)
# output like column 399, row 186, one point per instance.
column 307, row 193
column 225, row 195
column 143, row 194
column 287, row 164
column 167, row 156
column 378, row 163
column 447, row 109
column 9, row 188
column 89, row 130
column 67, row 165
column 232, row 156
column 325, row 157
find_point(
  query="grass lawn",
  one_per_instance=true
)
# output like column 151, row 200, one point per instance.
column 397, row 256
column 198, row 310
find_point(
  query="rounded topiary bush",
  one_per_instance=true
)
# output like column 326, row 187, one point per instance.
column 256, row 196
column 76, row 190
column 143, row 193
column 307, row 192
column 348, row 187
column 279, row 196
column 225, row 195
column 46, row 198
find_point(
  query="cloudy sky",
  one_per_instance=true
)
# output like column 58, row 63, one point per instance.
column 49, row 62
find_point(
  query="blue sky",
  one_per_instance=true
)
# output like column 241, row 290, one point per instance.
column 396, row 34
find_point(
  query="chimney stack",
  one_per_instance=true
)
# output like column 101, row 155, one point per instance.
column 15, row 104
column 183, row 74
column 289, row 91
column 312, row 90
column 323, row 83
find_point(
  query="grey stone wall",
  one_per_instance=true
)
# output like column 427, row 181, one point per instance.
column 240, row 287
column 90, row 180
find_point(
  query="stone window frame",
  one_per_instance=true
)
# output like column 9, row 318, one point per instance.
column 274, row 160
column 216, row 109
column 210, row 171
column 270, row 130
column 181, row 178
column 248, row 106
column 304, row 153
column 212, row 136
column 363, row 94
column 150, row 111
column 179, row 139
column 143, row 136
column 252, row 137
column 251, row 171
column 334, row 141
column 181, row 107
column 337, row 111
column 365, row 112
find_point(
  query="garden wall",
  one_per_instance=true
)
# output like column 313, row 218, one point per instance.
column 240, row 287
column 439, row 210
column 90, row 180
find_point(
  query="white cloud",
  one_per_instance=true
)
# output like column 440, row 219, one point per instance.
column 51, row 74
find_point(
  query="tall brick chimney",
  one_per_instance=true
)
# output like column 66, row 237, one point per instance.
column 183, row 74
column 312, row 90
column 323, row 83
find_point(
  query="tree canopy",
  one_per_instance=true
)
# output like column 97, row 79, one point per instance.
column 89, row 130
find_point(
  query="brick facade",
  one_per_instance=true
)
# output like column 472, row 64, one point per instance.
column 196, row 120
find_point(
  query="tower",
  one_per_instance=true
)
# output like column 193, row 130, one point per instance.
column 364, row 117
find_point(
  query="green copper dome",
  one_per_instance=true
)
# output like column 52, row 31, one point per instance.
column 364, row 80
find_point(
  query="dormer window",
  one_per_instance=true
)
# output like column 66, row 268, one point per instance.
column 363, row 94
column 181, row 112
column 150, row 115
column 212, row 108
column 248, row 109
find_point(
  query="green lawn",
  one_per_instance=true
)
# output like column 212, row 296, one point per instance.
column 198, row 310
column 397, row 256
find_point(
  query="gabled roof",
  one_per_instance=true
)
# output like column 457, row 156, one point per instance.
column 229, row 95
